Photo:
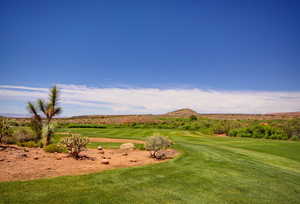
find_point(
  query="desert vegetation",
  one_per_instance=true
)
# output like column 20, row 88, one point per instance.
column 75, row 144
column 49, row 109
column 238, row 157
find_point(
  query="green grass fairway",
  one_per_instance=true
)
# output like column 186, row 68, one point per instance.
column 211, row 169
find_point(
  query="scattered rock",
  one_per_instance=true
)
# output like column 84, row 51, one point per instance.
column 100, row 148
column 125, row 154
column 127, row 146
column 108, row 157
column 22, row 155
column 101, row 152
column 35, row 158
column 133, row 160
column 58, row 158
column 2, row 148
column 104, row 161
column 2, row 159
column 160, row 155
column 103, row 157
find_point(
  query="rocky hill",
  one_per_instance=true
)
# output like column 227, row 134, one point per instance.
column 182, row 112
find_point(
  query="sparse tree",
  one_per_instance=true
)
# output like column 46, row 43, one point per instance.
column 49, row 109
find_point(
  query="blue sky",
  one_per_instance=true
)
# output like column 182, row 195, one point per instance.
column 221, row 47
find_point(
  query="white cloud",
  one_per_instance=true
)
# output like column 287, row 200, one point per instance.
column 153, row 100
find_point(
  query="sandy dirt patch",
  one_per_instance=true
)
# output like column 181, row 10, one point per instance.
column 18, row 163
column 221, row 135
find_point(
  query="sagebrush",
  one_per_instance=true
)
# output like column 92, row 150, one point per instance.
column 156, row 143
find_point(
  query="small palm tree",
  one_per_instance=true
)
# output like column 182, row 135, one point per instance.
column 49, row 109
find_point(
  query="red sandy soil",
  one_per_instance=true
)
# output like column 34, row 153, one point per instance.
column 221, row 135
column 32, row 163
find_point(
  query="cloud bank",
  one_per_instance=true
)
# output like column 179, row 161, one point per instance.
column 79, row 99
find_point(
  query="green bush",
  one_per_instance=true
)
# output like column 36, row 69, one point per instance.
column 292, row 128
column 5, row 130
column 259, row 131
column 224, row 126
column 55, row 148
column 193, row 118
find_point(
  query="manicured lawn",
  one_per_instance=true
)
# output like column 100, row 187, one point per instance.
column 211, row 170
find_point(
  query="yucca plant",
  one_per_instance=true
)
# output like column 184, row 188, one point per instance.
column 49, row 109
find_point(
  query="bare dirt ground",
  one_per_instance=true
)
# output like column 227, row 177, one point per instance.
column 18, row 163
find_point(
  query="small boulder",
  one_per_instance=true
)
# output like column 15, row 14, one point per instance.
column 160, row 155
column 104, row 161
column 100, row 148
column 125, row 154
column 22, row 156
column 133, row 160
column 35, row 158
column 101, row 152
column 127, row 146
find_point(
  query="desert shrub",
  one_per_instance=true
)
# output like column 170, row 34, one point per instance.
column 233, row 132
column 5, row 129
column 13, row 122
column 224, row 126
column 259, row 131
column 30, row 144
column 291, row 128
column 52, row 148
column 193, row 118
column 75, row 144
column 295, row 138
column 23, row 135
column 156, row 143
column 36, row 125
